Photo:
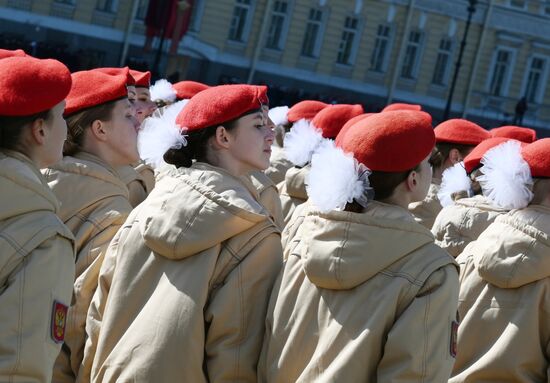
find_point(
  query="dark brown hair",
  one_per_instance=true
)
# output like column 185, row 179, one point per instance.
column 196, row 148
column 383, row 184
column 442, row 150
column 11, row 128
column 79, row 122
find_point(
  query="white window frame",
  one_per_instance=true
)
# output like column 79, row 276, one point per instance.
column 286, row 24
column 387, row 53
column 509, row 72
column 447, row 69
column 247, row 23
column 355, row 42
column 418, row 57
column 113, row 8
column 539, row 97
column 320, row 35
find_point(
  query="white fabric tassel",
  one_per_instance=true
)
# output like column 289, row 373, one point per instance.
column 506, row 178
column 162, row 90
column 301, row 142
column 278, row 115
column 160, row 133
column 335, row 178
column 455, row 179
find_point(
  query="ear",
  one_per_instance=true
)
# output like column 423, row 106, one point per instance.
column 455, row 156
column 38, row 131
column 222, row 138
column 411, row 181
column 99, row 130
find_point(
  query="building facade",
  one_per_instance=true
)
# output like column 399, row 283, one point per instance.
column 369, row 51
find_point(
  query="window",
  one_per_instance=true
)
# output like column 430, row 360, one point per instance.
column 380, row 52
column 411, row 55
column 545, row 8
column 501, row 67
column 239, row 20
column 142, row 9
column 107, row 6
column 277, row 25
column 347, row 42
column 68, row 2
column 442, row 62
column 517, row 3
column 535, row 79
column 312, row 36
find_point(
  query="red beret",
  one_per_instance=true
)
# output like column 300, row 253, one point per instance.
column 391, row 141
column 29, row 85
column 105, row 88
column 516, row 132
column 332, row 118
column 143, row 79
column 130, row 80
column 219, row 104
column 350, row 123
column 473, row 159
column 305, row 109
column 187, row 89
column 401, row 106
column 537, row 155
column 460, row 131
column 5, row 53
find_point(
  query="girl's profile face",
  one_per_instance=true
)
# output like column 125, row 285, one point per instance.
column 57, row 134
column 253, row 136
column 123, row 128
column 143, row 104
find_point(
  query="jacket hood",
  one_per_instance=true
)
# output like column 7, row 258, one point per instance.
column 86, row 179
column 481, row 202
column 342, row 249
column 295, row 181
column 515, row 249
column 194, row 209
column 23, row 187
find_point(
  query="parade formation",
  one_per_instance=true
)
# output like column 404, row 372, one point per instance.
column 186, row 232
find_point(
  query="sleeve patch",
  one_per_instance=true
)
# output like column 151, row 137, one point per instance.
column 59, row 320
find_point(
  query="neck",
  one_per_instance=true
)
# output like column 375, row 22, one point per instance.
column 100, row 152
column 228, row 163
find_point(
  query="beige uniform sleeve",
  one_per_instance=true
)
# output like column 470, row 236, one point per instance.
column 448, row 236
column 97, row 308
column 30, row 287
column 236, row 315
column 418, row 346
column 89, row 262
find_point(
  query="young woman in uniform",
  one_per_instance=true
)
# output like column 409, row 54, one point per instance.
column 504, row 301
column 102, row 136
column 365, row 295
column 455, row 138
column 36, row 248
column 185, row 293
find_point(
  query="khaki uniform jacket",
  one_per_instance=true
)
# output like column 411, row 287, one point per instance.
column 425, row 211
column 459, row 224
column 279, row 165
column 36, row 271
column 186, row 296
column 504, row 301
column 94, row 204
column 362, row 298
column 293, row 190
column 139, row 180
column 268, row 196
